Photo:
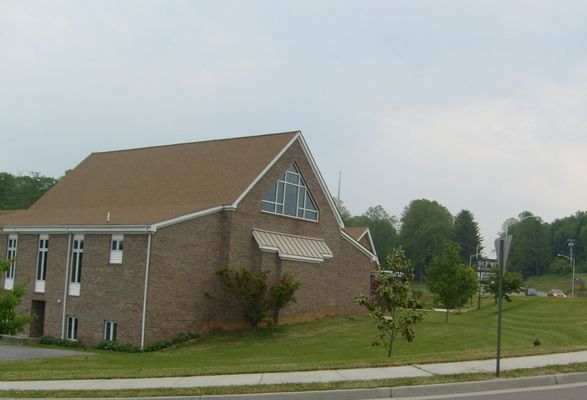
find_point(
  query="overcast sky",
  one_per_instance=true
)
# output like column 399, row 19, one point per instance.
column 479, row 105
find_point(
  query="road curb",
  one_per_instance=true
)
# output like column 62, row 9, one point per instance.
column 477, row 386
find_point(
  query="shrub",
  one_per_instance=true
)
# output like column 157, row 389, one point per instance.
column 254, row 295
column 155, row 346
column 11, row 323
column 55, row 341
column 115, row 346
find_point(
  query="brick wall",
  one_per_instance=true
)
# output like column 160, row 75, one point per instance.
column 184, row 258
column 108, row 292
column 326, row 288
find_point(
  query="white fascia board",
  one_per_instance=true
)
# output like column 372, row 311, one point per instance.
column 321, row 181
column 368, row 233
column 359, row 246
column 267, row 168
column 77, row 229
column 193, row 215
column 289, row 257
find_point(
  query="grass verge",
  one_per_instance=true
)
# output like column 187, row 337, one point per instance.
column 255, row 389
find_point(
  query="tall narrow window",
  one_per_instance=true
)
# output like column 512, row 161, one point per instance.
column 290, row 196
column 11, row 255
column 77, row 256
column 72, row 323
column 110, row 328
column 42, row 263
column 116, row 249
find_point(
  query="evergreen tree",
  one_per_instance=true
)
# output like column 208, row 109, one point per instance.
column 466, row 234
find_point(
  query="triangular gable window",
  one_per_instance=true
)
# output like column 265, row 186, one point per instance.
column 290, row 196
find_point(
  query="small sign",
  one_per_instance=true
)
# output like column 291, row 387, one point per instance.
column 507, row 241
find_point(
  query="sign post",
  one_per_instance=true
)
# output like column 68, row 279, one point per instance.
column 502, row 249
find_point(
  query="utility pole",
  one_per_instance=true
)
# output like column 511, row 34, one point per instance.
column 502, row 248
column 338, row 192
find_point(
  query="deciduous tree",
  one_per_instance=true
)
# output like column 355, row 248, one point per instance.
column 512, row 283
column 394, row 309
column 450, row 280
column 426, row 227
column 530, row 248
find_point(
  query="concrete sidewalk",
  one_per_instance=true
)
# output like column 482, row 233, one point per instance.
column 302, row 377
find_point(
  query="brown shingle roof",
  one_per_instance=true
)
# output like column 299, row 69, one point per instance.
column 154, row 184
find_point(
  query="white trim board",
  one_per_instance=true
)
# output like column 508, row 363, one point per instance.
column 77, row 229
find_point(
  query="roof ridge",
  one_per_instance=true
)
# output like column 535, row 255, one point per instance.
column 200, row 141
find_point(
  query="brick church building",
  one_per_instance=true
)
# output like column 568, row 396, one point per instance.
column 125, row 246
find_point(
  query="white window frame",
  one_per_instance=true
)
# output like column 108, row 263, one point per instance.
column 11, row 250
column 110, row 330
column 72, row 328
column 116, row 249
column 41, row 273
column 291, row 178
column 77, row 254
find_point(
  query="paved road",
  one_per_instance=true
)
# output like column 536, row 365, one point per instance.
column 576, row 391
column 14, row 352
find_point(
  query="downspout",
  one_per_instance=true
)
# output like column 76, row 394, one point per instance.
column 65, row 286
column 147, row 262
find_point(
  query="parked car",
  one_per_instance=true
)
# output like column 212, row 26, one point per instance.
column 556, row 293
column 531, row 291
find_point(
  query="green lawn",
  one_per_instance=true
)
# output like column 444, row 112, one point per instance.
column 561, row 325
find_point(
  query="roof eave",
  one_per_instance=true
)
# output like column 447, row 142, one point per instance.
column 57, row 229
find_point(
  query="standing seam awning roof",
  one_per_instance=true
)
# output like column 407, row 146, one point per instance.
column 291, row 247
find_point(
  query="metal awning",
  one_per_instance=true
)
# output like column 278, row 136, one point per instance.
column 291, row 247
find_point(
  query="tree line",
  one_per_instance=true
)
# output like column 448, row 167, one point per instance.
column 19, row 192
column 537, row 245
column 424, row 231
column 426, row 228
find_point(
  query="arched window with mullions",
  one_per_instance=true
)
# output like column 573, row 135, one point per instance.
column 290, row 196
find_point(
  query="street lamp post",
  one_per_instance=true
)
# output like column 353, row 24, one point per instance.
column 572, row 261
column 476, row 255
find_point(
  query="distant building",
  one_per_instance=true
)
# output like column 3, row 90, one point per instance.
column 126, row 245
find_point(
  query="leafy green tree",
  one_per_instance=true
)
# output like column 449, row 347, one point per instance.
column 11, row 323
column 530, row 249
column 466, row 234
column 255, row 296
column 450, row 280
column 394, row 309
column 512, row 283
column 426, row 227
column 20, row 192
column 382, row 228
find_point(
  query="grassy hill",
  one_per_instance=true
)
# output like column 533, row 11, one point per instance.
column 550, row 281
